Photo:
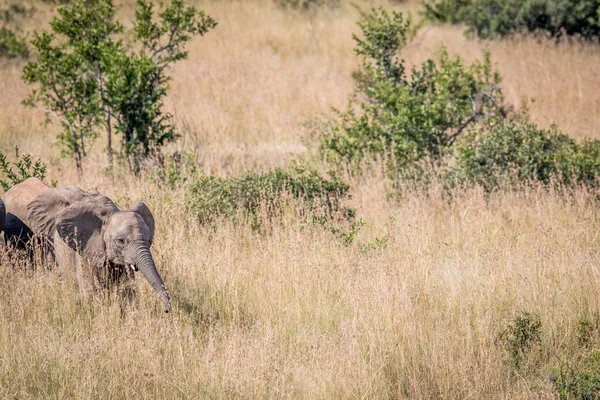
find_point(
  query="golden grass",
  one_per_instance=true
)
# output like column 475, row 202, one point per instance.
column 297, row 313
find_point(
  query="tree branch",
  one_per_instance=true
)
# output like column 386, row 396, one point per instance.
column 170, row 44
column 476, row 114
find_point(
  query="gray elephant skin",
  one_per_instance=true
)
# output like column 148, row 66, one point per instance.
column 16, row 199
column 2, row 221
column 87, row 233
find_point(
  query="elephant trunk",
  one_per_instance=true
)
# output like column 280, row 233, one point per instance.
column 145, row 264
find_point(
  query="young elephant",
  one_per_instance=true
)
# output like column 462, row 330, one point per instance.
column 88, row 231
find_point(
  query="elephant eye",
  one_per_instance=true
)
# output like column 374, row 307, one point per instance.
column 120, row 241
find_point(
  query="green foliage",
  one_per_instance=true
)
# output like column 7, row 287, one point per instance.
column 88, row 77
column 22, row 168
column 11, row 45
column 211, row 197
column 520, row 335
column 308, row 5
column 580, row 380
column 408, row 119
column 348, row 237
column 179, row 168
column 520, row 152
column 138, row 82
column 446, row 114
column 588, row 329
column 378, row 244
column 498, row 18
column 67, row 71
column 448, row 11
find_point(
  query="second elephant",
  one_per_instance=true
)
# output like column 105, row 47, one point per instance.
column 2, row 221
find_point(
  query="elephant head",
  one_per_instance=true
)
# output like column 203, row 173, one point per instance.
column 93, row 226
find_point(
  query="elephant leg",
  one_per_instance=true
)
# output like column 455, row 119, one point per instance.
column 4, row 250
column 85, row 277
column 72, row 267
column 127, row 294
column 65, row 258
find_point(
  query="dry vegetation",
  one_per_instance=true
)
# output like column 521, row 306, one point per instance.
column 297, row 313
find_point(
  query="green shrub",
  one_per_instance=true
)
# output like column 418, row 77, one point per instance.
column 588, row 329
column 583, row 164
column 581, row 380
column 447, row 11
column 519, row 152
column 22, row 168
column 308, row 5
column 447, row 114
column 498, row 18
column 11, row 45
column 12, row 40
column 211, row 197
column 520, row 335
column 405, row 119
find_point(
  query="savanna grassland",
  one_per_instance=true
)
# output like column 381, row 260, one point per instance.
column 418, row 305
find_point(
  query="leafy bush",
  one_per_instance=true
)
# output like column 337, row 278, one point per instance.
column 408, row 119
column 22, row 168
column 519, row 336
column 493, row 18
column 12, row 41
column 447, row 114
column 12, row 46
column 519, row 152
column 588, row 329
column 581, row 380
column 211, row 197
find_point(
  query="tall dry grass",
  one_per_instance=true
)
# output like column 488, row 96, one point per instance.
column 297, row 313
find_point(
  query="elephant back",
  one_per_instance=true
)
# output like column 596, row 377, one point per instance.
column 44, row 208
column 19, row 196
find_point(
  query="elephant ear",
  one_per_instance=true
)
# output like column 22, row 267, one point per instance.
column 143, row 210
column 80, row 226
column 42, row 210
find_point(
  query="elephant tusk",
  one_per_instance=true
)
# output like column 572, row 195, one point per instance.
column 133, row 267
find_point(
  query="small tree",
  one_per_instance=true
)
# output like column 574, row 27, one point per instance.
column 89, row 78
column 408, row 119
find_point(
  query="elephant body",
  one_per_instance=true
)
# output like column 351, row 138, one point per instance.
column 90, row 237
